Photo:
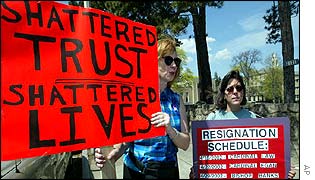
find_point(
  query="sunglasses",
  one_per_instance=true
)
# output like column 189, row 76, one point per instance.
column 169, row 60
column 238, row 88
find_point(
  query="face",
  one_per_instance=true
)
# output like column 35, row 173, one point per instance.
column 234, row 93
column 168, row 67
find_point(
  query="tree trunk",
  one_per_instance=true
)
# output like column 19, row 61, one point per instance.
column 205, row 81
column 287, row 50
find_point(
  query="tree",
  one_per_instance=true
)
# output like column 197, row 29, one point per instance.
column 184, row 81
column 278, row 20
column 287, row 50
column 160, row 14
column 186, row 78
column 273, row 80
column 198, row 12
column 245, row 62
column 76, row 3
column 273, row 22
column 217, row 80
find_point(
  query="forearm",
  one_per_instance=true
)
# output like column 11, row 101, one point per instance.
column 180, row 139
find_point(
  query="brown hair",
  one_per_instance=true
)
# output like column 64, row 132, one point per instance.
column 234, row 74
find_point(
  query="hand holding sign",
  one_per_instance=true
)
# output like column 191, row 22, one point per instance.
column 108, row 170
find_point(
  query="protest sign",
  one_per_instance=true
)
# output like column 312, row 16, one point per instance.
column 74, row 78
column 242, row 148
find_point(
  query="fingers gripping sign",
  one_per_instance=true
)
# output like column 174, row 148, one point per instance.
column 104, row 160
column 160, row 119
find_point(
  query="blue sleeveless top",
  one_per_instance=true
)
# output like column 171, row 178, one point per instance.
column 161, row 148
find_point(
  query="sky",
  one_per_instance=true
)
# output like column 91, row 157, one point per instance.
column 236, row 27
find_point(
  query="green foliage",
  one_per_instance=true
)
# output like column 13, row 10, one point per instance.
column 273, row 25
column 160, row 14
column 186, row 78
column 273, row 22
column 76, row 3
column 182, row 55
column 273, row 81
column 217, row 80
column 187, row 6
column 184, row 81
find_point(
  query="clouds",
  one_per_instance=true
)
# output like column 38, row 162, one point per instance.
column 252, row 23
column 247, row 41
column 210, row 39
column 251, row 35
column 223, row 55
column 189, row 46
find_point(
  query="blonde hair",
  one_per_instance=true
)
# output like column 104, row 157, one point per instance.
column 166, row 46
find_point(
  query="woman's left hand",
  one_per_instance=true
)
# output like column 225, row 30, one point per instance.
column 160, row 119
column 291, row 173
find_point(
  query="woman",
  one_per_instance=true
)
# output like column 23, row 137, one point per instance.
column 230, row 98
column 156, row 158
column 229, row 101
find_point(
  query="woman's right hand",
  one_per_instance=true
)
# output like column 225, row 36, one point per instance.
column 100, row 158
column 117, row 151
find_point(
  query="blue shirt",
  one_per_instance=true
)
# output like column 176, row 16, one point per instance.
column 161, row 148
column 223, row 115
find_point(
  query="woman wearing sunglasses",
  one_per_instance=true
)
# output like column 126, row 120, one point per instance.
column 156, row 158
column 230, row 98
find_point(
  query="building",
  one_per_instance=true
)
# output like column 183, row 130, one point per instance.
column 191, row 95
